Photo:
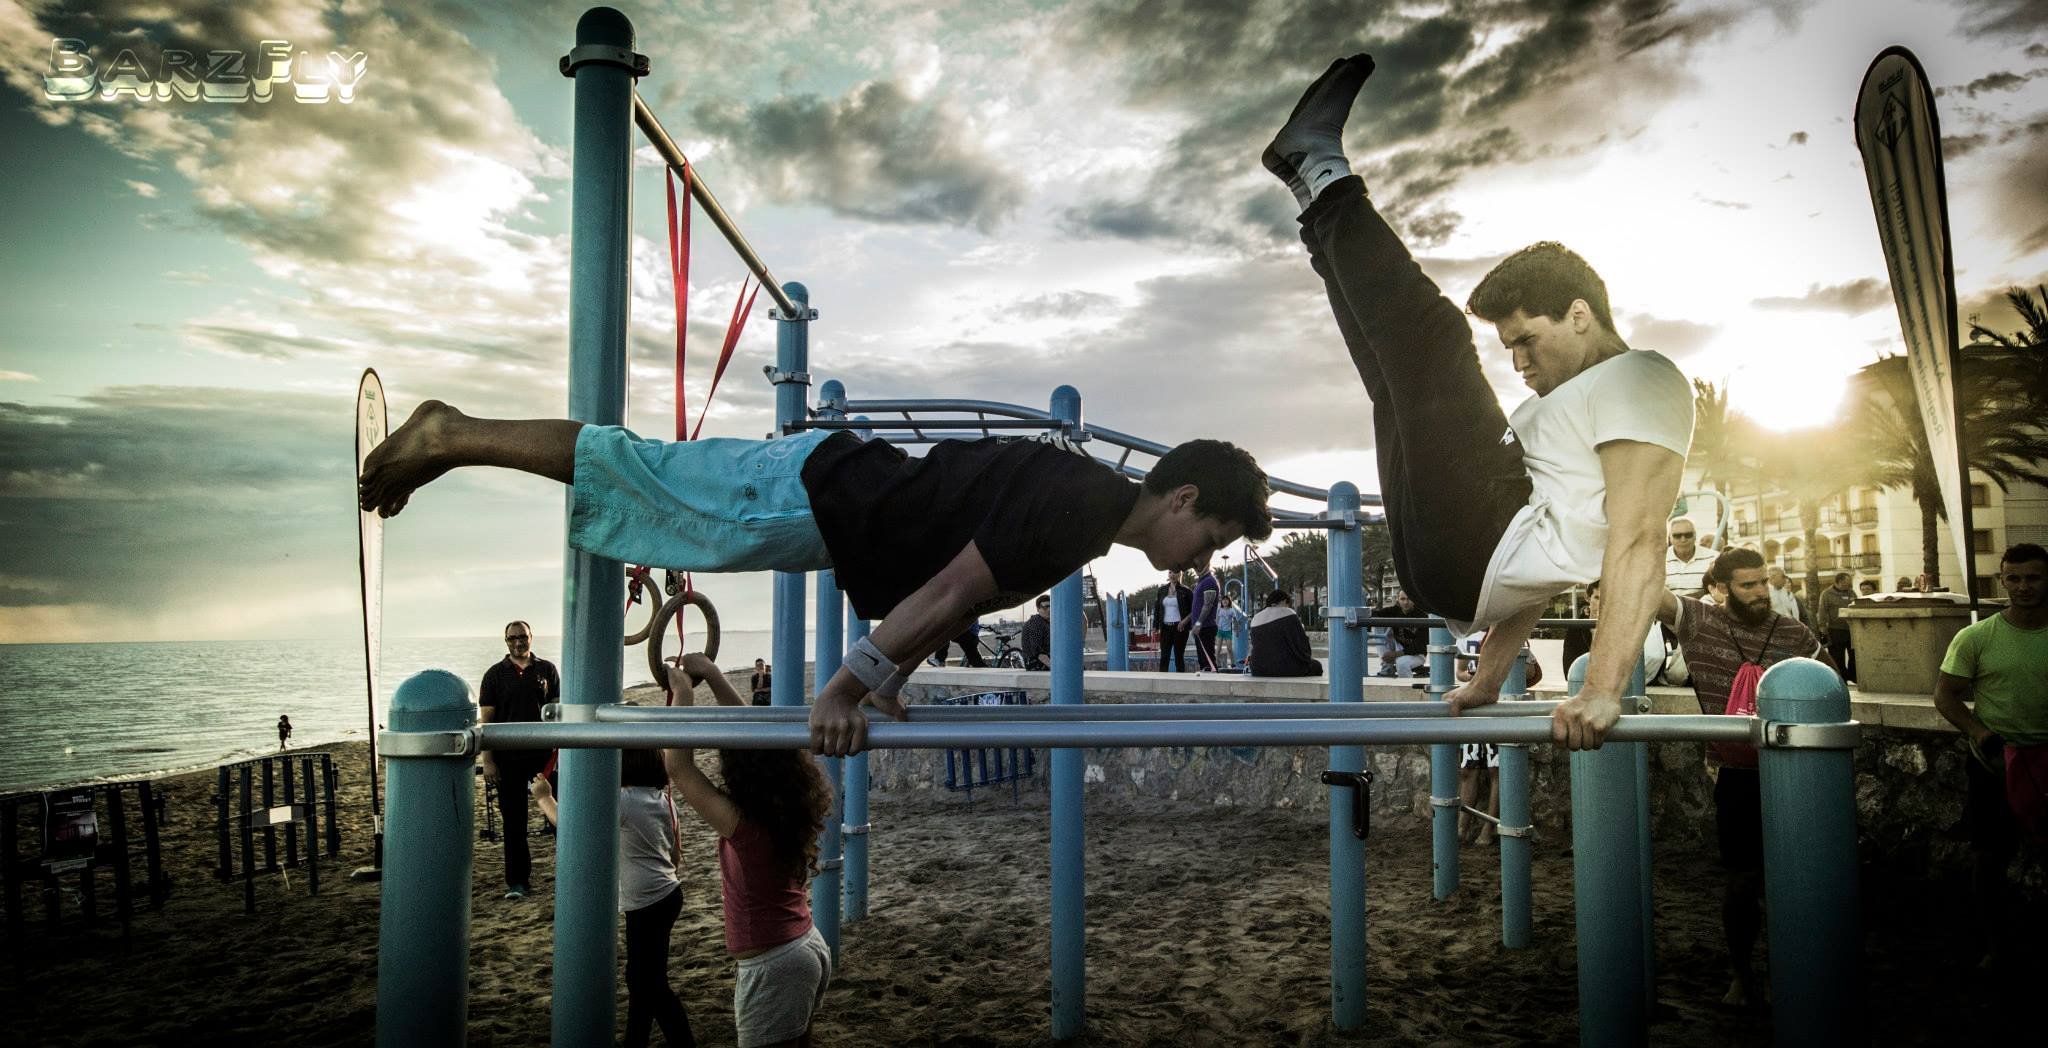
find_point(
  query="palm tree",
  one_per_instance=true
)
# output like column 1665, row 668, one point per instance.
column 1714, row 447
column 1812, row 467
column 2002, row 431
column 2022, row 355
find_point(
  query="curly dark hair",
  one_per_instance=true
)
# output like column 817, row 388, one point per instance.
column 1231, row 485
column 785, row 793
column 1541, row 280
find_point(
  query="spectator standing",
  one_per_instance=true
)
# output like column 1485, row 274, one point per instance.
column 1685, row 566
column 763, row 685
column 513, row 691
column 1728, row 645
column 1579, row 639
column 1280, row 646
column 970, row 646
column 1170, row 615
column 1403, row 649
column 1230, row 624
column 1868, row 587
column 1906, row 586
column 284, row 730
column 1037, row 639
column 1834, row 627
column 1208, row 594
column 2000, row 665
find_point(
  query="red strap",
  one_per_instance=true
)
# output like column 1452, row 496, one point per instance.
column 742, row 308
column 679, row 272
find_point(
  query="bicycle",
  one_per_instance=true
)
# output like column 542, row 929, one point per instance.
column 1004, row 655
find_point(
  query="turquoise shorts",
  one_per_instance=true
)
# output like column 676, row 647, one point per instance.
column 697, row 505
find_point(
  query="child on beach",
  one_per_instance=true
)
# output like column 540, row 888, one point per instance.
column 649, row 894
column 767, row 817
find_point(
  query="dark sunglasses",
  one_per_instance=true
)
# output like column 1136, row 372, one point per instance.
column 517, row 636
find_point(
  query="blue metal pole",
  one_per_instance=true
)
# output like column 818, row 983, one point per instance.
column 831, row 644
column 1607, row 890
column 1347, row 851
column 1069, row 855
column 1241, row 639
column 586, row 843
column 1443, row 771
column 1514, row 827
column 423, row 921
column 1810, row 873
column 855, row 821
column 1119, row 633
column 792, row 365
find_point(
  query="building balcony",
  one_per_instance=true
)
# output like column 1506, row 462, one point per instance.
column 1745, row 529
column 1866, row 515
column 1867, row 562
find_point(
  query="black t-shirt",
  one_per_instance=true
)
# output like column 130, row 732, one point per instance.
column 1410, row 640
column 1038, row 512
column 514, row 695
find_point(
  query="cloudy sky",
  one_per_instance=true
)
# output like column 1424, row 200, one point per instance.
column 986, row 198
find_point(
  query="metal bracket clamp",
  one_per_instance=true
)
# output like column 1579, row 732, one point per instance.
column 1361, row 798
column 1445, row 802
column 1514, row 831
column 1438, row 689
column 551, row 712
column 1350, row 618
column 584, row 54
column 855, row 831
column 830, row 865
column 575, row 712
column 1442, row 649
column 1345, row 521
column 777, row 376
column 778, row 314
column 1784, row 735
column 405, row 744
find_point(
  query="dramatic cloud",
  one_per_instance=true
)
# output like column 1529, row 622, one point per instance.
column 1857, row 296
column 2005, row 17
column 1796, row 138
column 1995, row 82
column 1956, row 147
column 875, row 153
column 2021, row 193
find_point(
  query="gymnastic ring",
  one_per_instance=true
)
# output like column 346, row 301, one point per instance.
column 669, row 610
column 651, row 593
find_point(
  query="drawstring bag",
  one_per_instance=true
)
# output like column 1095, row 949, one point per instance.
column 1742, row 701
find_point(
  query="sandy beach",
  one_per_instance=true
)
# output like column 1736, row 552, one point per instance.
column 1207, row 926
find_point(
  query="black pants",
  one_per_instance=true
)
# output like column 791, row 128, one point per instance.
column 515, row 771
column 650, row 1000
column 1205, row 648
column 1450, row 470
column 970, row 649
column 1838, row 650
column 1173, row 645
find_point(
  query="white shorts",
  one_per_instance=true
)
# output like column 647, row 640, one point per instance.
column 777, row 992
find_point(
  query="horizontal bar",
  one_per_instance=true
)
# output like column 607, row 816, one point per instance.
column 923, row 424
column 1425, row 621
column 1084, row 712
column 890, row 735
column 986, row 406
column 657, row 136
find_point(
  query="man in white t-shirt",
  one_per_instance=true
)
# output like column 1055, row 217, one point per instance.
column 1685, row 564
column 1491, row 516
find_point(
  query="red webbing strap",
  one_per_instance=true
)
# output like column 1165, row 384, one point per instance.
column 742, row 308
column 679, row 272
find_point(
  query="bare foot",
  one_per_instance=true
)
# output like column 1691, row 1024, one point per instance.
column 407, row 460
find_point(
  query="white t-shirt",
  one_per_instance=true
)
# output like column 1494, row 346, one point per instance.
column 647, row 859
column 1558, row 539
column 1686, row 577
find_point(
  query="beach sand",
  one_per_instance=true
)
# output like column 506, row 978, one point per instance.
column 1207, row 925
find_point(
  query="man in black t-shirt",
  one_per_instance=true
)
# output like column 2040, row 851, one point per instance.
column 514, row 690
column 923, row 544
column 1036, row 641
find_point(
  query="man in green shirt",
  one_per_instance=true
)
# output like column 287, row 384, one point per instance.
column 2002, row 664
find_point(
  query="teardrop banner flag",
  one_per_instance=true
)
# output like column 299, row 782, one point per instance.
column 372, row 424
column 1900, row 138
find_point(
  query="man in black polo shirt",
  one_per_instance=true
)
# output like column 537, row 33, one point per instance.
column 922, row 544
column 514, row 690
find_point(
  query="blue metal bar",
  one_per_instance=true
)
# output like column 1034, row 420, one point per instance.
column 1608, row 888
column 929, row 713
column 826, row 888
column 1069, row 849
column 1335, row 731
column 1816, row 938
column 429, row 839
column 1117, row 610
column 1443, row 773
column 1515, row 849
column 586, row 842
column 792, row 358
column 1347, row 853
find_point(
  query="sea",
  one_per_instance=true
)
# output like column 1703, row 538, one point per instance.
column 78, row 713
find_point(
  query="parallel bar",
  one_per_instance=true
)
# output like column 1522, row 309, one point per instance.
column 890, row 735
column 1345, row 553
column 1069, row 847
column 926, row 714
column 826, row 887
column 854, row 774
column 1374, row 620
column 1443, row 773
column 1515, row 849
column 657, row 136
column 928, row 423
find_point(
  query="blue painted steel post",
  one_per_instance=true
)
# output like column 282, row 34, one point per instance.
column 429, row 838
column 1069, row 855
column 792, row 366
column 1443, row 770
column 1241, row 639
column 855, row 820
column 586, row 843
column 1119, row 613
column 1347, row 852
column 1816, row 939
column 1607, row 890
column 826, row 887
column 1514, row 825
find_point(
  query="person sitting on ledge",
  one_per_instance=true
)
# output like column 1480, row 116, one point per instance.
column 923, row 545
column 1280, row 645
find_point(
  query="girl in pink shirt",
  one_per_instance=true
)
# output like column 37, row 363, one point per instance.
column 767, row 815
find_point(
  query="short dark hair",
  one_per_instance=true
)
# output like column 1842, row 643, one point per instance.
column 1592, row 587
column 1277, row 598
column 2023, row 553
column 1728, row 563
column 518, row 622
column 1840, row 575
column 1231, row 485
column 1543, row 280
column 642, row 768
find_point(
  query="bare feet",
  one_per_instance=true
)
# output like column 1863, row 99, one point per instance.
column 407, row 460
